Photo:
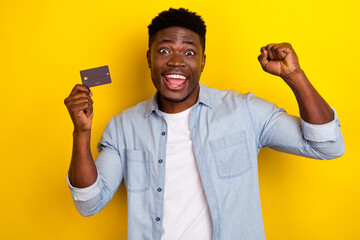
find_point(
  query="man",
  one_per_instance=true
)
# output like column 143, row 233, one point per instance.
column 188, row 155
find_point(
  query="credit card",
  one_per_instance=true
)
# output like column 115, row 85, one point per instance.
column 95, row 76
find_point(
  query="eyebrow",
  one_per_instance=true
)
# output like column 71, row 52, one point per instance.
column 171, row 41
column 189, row 42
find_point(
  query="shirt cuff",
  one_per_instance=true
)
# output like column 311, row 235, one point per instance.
column 84, row 194
column 321, row 132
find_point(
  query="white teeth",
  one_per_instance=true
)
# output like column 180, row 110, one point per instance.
column 177, row 76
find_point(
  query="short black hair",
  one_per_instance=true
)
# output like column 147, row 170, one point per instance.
column 178, row 18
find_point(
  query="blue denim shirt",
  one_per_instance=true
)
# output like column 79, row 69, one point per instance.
column 227, row 130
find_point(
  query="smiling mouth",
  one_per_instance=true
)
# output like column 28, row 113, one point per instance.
column 175, row 80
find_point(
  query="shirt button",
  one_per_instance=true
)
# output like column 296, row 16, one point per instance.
column 159, row 189
column 160, row 161
column 157, row 219
column 163, row 133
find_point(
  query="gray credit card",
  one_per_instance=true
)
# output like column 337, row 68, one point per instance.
column 95, row 76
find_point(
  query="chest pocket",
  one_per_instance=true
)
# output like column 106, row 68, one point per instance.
column 137, row 176
column 231, row 155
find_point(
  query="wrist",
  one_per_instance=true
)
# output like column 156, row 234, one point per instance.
column 81, row 140
column 295, row 78
column 82, row 134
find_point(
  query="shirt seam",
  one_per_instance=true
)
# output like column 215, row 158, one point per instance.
column 257, row 138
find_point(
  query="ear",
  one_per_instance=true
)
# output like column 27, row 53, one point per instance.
column 203, row 62
column 148, row 56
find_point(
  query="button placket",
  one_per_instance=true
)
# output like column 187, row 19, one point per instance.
column 160, row 177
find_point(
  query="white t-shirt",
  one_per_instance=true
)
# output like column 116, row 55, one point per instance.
column 186, row 211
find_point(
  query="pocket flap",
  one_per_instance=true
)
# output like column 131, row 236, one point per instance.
column 231, row 155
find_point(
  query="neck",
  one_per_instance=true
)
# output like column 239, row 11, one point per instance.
column 169, row 106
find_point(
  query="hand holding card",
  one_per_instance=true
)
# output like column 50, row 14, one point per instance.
column 80, row 107
column 95, row 76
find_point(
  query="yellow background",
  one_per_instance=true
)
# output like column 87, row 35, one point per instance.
column 44, row 45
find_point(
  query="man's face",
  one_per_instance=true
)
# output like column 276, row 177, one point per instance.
column 176, row 61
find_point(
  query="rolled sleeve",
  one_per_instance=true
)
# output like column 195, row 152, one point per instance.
column 327, row 132
column 84, row 194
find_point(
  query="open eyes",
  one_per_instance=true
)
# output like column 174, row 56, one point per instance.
column 164, row 51
column 190, row 53
column 167, row 51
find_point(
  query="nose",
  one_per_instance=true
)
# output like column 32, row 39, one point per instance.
column 176, row 61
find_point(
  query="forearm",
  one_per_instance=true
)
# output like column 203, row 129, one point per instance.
column 313, row 108
column 82, row 170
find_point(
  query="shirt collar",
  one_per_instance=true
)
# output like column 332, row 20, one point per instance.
column 204, row 98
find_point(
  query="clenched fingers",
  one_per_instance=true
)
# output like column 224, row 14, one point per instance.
column 263, row 57
column 80, row 107
column 278, row 52
column 80, row 88
column 79, row 95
